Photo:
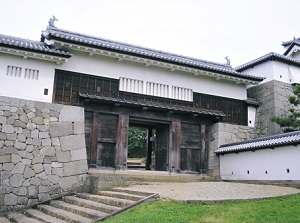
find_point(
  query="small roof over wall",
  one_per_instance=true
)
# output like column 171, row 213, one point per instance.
column 268, row 57
column 292, row 138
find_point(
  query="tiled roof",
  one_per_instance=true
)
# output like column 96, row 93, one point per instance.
column 252, row 101
column 269, row 56
column 161, row 106
column 292, row 138
column 114, row 46
column 32, row 46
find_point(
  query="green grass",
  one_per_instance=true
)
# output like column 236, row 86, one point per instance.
column 273, row 210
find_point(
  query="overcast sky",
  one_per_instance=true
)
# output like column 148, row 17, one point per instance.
column 205, row 29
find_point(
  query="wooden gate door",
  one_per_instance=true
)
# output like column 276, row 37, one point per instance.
column 194, row 148
column 101, row 134
column 162, row 146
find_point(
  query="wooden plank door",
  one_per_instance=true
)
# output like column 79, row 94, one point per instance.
column 162, row 147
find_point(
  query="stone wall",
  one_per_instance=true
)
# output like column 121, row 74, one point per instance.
column 42, row 151
column 223, row 133
column 273, row 99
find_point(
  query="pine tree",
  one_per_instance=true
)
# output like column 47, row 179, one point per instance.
column 291, row 122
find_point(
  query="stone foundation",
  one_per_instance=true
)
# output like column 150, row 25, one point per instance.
column 223, row 133
column 42, row 151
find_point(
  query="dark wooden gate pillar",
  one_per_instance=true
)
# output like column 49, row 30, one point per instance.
column 122, row 142
column 175, row 145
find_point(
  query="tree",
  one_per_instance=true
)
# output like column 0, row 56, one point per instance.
column 137, row 142
column 291, row 122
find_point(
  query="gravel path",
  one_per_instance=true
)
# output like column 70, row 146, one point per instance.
column 213, row 191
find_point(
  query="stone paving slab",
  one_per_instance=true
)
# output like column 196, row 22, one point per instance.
column 213, row 191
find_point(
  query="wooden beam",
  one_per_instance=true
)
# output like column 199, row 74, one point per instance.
column 94, row 137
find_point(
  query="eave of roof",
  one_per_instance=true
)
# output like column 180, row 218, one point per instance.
column 160, row 106
column 114, row 46
column 267, row 57
column 292, row 138
column 31, row 46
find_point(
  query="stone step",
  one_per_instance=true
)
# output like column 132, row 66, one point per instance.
column 106, row 200
column 85, row 212
column 124, row 190
column 4, row 220
column 63, row 215
column 33, row 213
column 90, row 204
column 20, row 218
column 121, row 195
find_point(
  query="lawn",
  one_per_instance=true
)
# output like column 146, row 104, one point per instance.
column 273, row 210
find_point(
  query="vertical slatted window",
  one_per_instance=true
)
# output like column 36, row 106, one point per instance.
column 131, row 85
column 31, row 74
column 155, row 89
column 13, row 71
column 180, row 93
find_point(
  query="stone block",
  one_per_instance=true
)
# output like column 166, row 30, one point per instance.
column 27, row 133
column 4, row 107
column 21, row 191
column 71, row 114
column 30, row 115
column 34, row 134
column 24, row 118
column 8, row 128
column 36, row 142
column 3, row 136
column 29, row 141
column 55, row 141
column 68, row 183
column 30, row 104
column 28, row 172
column 56, row 164
column 53, row 179
column 18, row 130
column 79, row 154
column 26, row 161
column 63, row 157
column 18, row 168
column 58, row 129
column 10, row 199
column 21, row 138
column 35, row 181
column 26, row 183
column 38, row 168
column 42, row 128
column 18, row 123
column 38, row 120
column 46, row 142
column 75, row 168
column 79, row 128
column 2, row 120
column 16, row 180
column 44, row 135
column 2, row 145
column 20, row 145
column 31, row 126
column 57, row 171
column 8, row 166
column 9, row 143
column 32, row 192
column 47, row 151
column 10, row 120
column 15, row 158
column 44, row 197
column 5, row 159
column 12, row 136
column 22, row 153
column 72, row 142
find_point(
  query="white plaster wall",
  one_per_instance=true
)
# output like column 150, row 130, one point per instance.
column 276, row 162
column 21, row 87
column 275, row 70
column 251, row 116
column 110, row 67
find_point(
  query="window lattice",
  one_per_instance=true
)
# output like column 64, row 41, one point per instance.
column 155, row 89
column 13, row 71
column 131, row 85
column 180, row 93
column 31, row 74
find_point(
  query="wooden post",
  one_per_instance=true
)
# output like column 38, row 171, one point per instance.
column 94, row 139
column 149, row 150
column 122, row 142
column 175, row 155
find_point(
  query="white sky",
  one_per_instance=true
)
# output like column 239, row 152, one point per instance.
column 205, row 29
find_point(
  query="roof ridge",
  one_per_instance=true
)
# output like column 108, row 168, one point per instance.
column 19, row 38
column 142, row 47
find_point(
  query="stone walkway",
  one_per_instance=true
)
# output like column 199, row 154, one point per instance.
column 213, row 191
